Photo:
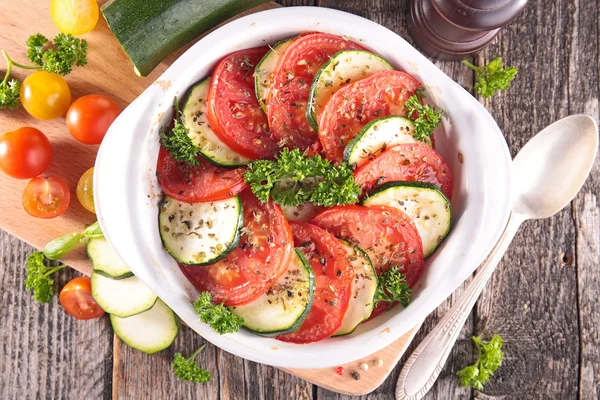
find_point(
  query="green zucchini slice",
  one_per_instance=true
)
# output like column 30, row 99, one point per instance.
column 283, row 307
column 263, row 72
column 200, row 233
column 199, row 131
column 424, row 203
column 344, row 67
column 364, row 286
column 105, row 260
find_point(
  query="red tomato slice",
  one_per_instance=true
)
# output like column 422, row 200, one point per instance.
column 406, row 162
column 291, row 83
column 333, row 279
column 354, row 106
column 263, row 255
column 387, row 235
column 233, row 110
column 192, row 184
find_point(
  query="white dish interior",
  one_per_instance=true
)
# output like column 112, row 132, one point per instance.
column 127, row 193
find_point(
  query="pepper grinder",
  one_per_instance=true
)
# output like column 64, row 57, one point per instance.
column 457, row 29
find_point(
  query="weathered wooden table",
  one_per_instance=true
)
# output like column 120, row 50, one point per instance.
column 543, row 299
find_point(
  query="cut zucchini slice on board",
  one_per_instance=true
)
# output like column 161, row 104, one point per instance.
column 426, row 205
column 364, row 286
column 199, row 131
column 283, row 307
column 151, row 331
column 200, row 233
column 106, row 261
column 376, row 137
column 122, row 297
column 345, row 67
column 263, row 72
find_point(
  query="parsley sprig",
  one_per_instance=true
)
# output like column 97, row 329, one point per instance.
column 38, row 277
column 392, row 287
column 294, row 179
column 427, row 118
column 177, row 141
column 186, row 369
column 220, row 318
column 489, row 360
column 492, row 77
column 57, row 248
column 58, row 56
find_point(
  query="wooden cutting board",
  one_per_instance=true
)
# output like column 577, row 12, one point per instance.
column 110, row 72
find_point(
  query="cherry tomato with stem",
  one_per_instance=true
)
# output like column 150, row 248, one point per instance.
column 85, row 190
column 76, row 298
column 45, row 95
column 46, row 197
column 89, row 117
column 24, row 153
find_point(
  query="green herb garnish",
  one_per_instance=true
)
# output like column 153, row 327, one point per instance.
column 219, row 317
column 38, row 277
column 57, row 248
column 492, row 77
column 489, row 360
column 294, row 179
column 427, row 117
column 392, row 287
column 177, row 141
column 186, row 369
column 59, row 57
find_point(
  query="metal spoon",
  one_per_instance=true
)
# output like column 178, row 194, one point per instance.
column 547, row 174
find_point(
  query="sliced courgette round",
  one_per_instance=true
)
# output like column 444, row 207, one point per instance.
column 151, row 331
column 344, row 67
column 376, row 137
column 364, row 286
column 122, row 297
column 195, row 121
column 263, row 72
column 427, row 206
column 105, row 260
column 283, row 307
column 200, row 233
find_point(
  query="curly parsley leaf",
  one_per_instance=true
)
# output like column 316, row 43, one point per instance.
column 178, row 143
column 427, row 118
column 65, row 52
column 38, row 277
column 294, row 179
column 492, row 77
column 220, row 318
column 489, row 360
column 9, row 94
column 392, row 287
column 186, row 369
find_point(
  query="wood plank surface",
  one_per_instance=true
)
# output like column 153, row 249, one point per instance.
column 543, row 299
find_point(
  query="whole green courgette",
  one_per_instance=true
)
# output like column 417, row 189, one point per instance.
column 150, row 30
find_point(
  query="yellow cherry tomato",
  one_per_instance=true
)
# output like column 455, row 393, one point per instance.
column 74, row 16
column 85, row 190
column 45, row 95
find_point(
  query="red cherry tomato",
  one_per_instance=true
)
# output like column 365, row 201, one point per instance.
column 46, row 197
column 24, row 153
column 89, row 117
column 76, row 298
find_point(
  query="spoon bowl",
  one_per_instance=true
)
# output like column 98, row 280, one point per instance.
column 552, row 167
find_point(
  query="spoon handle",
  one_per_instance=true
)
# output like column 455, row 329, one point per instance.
column 425, row 364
